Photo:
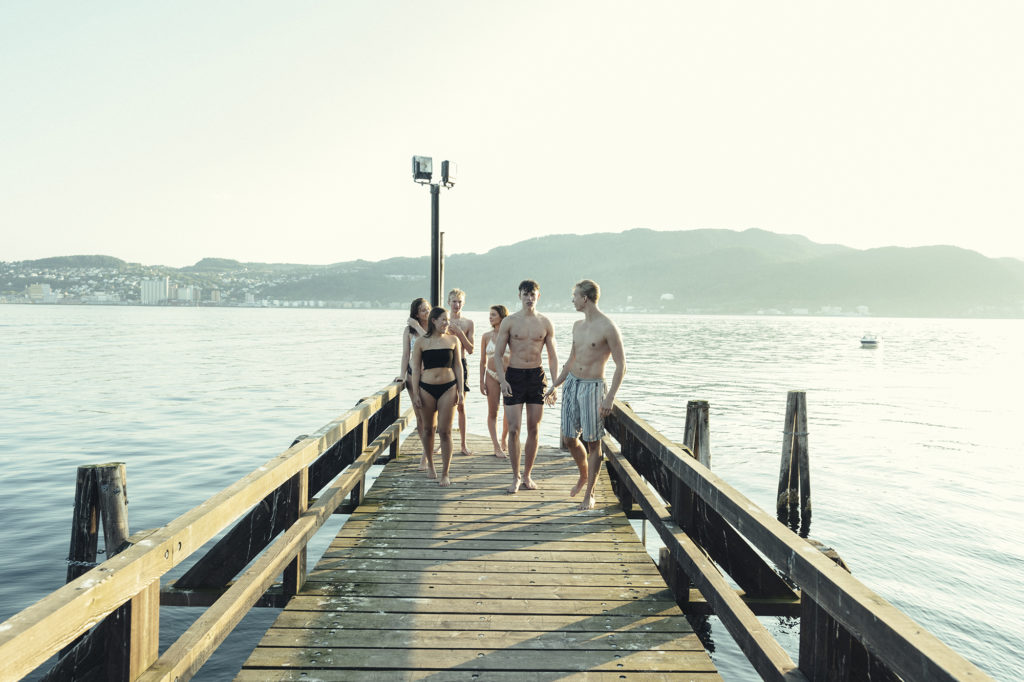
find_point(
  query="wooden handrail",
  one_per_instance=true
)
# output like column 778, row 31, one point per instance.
column 911, row 651
column 30, row 637
column 184, row 658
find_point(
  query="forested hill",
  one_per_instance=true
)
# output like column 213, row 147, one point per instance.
column 711, row 271
column 706, row 271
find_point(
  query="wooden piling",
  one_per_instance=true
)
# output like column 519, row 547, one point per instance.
column 697, row 434
column 793, row 504
column 84, row 525
column 127, row 641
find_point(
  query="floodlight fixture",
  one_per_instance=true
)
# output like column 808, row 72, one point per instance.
column 422, row 169
column 448, row 172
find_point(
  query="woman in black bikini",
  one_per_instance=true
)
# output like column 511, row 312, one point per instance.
column 415, row 327
column 439, row 383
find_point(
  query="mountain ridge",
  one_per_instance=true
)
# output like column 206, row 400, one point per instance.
column 707, row 270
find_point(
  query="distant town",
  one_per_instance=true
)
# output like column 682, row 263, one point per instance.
column 120, row 283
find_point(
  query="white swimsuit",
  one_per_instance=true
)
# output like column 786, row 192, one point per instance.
column 489, row 351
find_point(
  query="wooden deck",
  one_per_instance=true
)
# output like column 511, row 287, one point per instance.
column 468, row 582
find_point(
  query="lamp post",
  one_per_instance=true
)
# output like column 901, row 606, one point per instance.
column 423, row 173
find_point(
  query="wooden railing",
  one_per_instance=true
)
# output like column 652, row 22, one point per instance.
column 847, row 632
column 277, row 502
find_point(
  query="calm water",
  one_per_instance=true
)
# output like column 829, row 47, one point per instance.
column 915, row 446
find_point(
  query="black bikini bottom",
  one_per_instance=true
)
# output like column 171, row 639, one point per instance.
column 436, row 390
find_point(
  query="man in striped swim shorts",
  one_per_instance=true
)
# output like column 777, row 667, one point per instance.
column 585, row 400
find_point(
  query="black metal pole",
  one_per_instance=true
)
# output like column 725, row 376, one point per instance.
column 435, row 246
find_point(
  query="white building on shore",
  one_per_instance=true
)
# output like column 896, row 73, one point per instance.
column 155, row 291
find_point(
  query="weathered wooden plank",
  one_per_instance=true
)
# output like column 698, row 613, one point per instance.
column 666, row 623
column 529, row 517
column 441, row 590
column 468, row 531
column 483, row 566
column 482, row 606
column 498, row 544
column 523, row 556
column 574, row 660
column 566, row 576
column 484, row 639
column 466, row 675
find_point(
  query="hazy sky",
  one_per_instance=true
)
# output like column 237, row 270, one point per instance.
column 283, row 131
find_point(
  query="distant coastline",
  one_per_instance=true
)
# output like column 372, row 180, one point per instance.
column 697, row 272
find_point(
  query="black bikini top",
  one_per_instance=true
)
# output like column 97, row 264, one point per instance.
column 437, row 357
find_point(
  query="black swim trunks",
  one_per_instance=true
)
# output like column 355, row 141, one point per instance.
column 465, row 375
column 528, row 385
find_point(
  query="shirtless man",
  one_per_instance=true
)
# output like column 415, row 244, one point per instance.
column 462, row 328
column 585, row 402
column 525, row 333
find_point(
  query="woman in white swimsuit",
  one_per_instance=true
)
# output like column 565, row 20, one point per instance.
column 489, row 381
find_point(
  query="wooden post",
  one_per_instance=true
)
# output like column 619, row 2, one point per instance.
column 696, row 435
column 127, row 641
column 675, row 577
column 295, row 573
column 794, row 469
column 359, row 444
column 84, row 524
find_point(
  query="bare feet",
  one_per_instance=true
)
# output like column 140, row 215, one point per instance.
column 432, row 473
column 514, row 488
column 529, row 484
column 579, row 486
column 423, row 463
column 587, row 503
column 466, row 451
column 500, row 455
column 444, row 482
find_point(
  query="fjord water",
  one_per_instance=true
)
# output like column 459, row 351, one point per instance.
column 915, row 446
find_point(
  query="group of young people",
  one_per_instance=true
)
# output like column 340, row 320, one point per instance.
column 435, row 343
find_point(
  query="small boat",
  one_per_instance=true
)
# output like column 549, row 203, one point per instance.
column 868, row 340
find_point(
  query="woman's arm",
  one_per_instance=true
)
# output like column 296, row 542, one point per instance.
column 404, row 369
column 417, row 364
column 415, row 324
column 483, row 362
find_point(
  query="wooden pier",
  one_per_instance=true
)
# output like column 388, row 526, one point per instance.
column 474, row 583
column 467, row 582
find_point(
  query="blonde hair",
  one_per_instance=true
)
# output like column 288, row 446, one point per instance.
column 589, row 288
column 457, row 293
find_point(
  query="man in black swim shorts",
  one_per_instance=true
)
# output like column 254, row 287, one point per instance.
column 526, row 334
column 527, row 385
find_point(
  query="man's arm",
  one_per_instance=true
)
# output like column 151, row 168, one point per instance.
column 549, row 344
column 460, row 379
column 564, row 374
column 465, row 339
column 619, row 358
column 467, row 343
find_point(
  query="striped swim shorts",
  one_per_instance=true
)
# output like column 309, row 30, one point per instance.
column 581, row 408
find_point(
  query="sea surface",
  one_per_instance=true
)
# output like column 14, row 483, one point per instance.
column 915, row 446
